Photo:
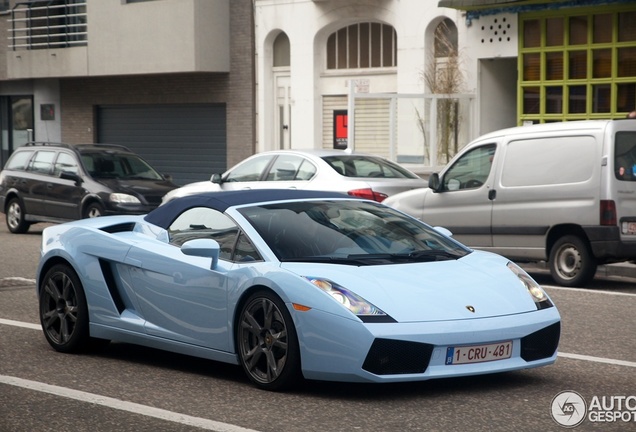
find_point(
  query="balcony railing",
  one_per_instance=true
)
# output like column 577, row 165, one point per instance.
column 48, row 24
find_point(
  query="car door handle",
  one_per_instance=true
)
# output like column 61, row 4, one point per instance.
column 492, row 194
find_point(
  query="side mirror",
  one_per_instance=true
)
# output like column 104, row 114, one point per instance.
column 168, row 177
column 216, row 178
column 433, row 182
column 68, row 175
column 206, row 248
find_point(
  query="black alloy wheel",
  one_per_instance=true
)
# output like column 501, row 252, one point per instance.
column 63, row 309
column 267, row 343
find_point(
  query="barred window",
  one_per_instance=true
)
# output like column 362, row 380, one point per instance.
column 361, row 46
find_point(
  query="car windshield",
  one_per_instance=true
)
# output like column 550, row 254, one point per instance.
column 348, row 232
column 104, row 165
column 367, row 167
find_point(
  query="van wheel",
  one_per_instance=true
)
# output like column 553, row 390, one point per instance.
column 571, row 262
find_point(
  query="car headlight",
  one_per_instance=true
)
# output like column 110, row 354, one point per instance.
column 539, row 296
column 364, row 310
column 121, row 198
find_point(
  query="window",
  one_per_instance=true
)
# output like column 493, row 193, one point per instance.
column 288, row 168
column 625, row 156
column 207, row 223
column 19, row 160
column 282, row 56
column 577, row 66
column 65, row 163
column 471, row 170
column 250, row 170
column 362, row 46
column 42, row 163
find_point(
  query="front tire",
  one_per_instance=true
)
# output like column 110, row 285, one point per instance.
column 15, row 217
column 571, row 262
column 94, row 209
column 267, row 343
column 63, row 310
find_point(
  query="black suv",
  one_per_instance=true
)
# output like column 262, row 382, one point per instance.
column 54, row 182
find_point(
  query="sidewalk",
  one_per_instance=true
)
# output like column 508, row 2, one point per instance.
column 623, row 269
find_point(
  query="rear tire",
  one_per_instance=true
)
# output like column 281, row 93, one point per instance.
column 15, row 217
column 571, row 262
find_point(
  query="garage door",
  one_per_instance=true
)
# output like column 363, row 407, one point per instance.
column 185, row 141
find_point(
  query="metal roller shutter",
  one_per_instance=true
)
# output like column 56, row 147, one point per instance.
column 186, row 141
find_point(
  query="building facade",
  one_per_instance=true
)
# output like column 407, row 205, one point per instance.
column 171, row 79
column 416, row 80
column 195, row 86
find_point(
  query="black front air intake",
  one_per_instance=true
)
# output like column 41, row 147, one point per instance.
column 388, row 357
column 541, row 344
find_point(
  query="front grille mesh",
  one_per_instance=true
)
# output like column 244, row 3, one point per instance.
column 388, row 357
column 541, row 344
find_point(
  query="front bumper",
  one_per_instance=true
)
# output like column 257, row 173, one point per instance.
column 338, row 349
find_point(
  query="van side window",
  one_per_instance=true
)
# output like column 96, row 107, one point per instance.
column 625, row 156
column 471, row 170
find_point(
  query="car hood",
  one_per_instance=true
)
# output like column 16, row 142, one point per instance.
column 432, row 291
column 150, row 190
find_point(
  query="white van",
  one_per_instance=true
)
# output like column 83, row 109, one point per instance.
column 560, row 192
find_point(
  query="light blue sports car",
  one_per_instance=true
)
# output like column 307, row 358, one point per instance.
column 292, row 284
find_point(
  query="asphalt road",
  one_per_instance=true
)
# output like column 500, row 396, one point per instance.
column 127, row 388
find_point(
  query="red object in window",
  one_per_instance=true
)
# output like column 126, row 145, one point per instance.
column 368, row 194
column 608, row 212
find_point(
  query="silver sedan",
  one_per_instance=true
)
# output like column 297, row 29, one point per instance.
column 360, row 175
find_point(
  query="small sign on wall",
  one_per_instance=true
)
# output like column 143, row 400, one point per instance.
column 340, row 129
column 47, row 112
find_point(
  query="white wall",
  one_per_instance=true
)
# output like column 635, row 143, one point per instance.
column 309, row 23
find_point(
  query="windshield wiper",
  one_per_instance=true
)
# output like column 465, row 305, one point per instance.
column 421, row 255
column 330, row 259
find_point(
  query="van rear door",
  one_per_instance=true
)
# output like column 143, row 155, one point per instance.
column 622, row 181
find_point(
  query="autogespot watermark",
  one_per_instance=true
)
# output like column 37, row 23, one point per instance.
column 569, row 409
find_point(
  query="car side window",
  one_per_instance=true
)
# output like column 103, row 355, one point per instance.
column 19, row 160
column 471, row 170
column 204, row 222
column 250, row 170
column 288, row 168
column 65, row 163
column 42, row 163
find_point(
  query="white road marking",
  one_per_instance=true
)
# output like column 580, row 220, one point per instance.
column 16, row 281
column 119, row 404
column 598, row 359
column 20, row 324
column 588, row 291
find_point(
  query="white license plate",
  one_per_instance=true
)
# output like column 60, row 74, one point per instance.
column 478, row 353
column 629, row 227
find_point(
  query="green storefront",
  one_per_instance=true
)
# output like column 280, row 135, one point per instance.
column 577, row 59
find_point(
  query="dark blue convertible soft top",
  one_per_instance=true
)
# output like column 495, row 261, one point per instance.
column 163, row 216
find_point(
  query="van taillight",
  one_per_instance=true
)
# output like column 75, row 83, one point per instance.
column 608, row 212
